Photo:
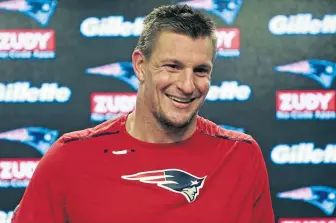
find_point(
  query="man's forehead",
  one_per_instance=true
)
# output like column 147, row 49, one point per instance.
column 174, row 47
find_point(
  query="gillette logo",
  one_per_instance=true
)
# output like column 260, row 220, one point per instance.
column 105, row 106
column 22, row 92
column 122, row 71
column 303, row 153
column 39, row 10
column 306, row 104
column 5, row 217
column 229, row 127
column 307, row 220
column 27, row 44
column 321, row 71
column 16, row 173
column 229, row 91
column 112, row 26
column 321, row 197
column 227, row 10
column 302, row 24
column 39, row 138
column 228, row 42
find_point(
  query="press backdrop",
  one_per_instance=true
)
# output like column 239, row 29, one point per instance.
column 276, row 63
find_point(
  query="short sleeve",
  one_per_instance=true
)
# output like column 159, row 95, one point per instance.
column 43, row 200
column 262, row 208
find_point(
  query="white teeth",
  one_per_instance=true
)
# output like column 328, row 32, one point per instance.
column 180, row 100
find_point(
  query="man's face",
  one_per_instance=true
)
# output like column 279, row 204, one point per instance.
column 177, row 78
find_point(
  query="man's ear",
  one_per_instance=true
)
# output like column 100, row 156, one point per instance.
column 138, row 60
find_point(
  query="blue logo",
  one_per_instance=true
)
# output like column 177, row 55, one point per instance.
column 303, row 153
column 227, row 10
column 321, row 71
column 229, row 127
column 229, row 91
column 112, row 26
column 174, row 180
column 320, row 196
column 37, row 137
column 122, row 71
column 23, row 92
column 302, row 24
column 39, row 10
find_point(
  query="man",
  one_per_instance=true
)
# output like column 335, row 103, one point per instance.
column 162, row 162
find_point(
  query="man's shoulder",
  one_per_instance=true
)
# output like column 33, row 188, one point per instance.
column 105, row 128
column 211, row 129
column 64, row 151
column 247, row 143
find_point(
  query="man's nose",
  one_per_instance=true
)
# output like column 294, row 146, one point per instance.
column 186, row 83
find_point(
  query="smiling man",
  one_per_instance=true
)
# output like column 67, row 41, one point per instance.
column 162, row 162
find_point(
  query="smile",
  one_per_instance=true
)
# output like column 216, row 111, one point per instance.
column 180, row 100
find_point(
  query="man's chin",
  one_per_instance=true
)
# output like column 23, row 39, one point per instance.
column 175, row 122
column 179, row 125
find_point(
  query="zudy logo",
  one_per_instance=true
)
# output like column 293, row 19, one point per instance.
column 227, row 10
column 322, row 71
column 27, row 44
column 228, row 42
column 105, row 106
column 306, row 104
column 321, row 197
column 39, row 10
column 37, row 137
column 16, row 173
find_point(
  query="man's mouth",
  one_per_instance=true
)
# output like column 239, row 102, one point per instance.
column 180, row 100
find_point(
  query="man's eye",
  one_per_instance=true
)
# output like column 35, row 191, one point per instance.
column 174, row 66
column 201, row 71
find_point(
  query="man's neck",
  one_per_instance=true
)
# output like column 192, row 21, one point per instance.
column 149, row 130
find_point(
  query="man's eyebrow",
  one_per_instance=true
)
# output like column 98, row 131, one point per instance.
column 174, row 61
column 205, row 65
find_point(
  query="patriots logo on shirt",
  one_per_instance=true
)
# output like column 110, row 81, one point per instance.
column 321, row 71
column 174, row 180
column 227, row 10
column 39, row 10
column 320, row 196
column 122, row 71
column 37, row 137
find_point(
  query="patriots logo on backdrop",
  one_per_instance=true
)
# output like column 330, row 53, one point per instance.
column 174, row 180
column 321, row 71
column 122, row 71
column 227, row 10
column 39, row 10
column 320, row 196
column 37, row 137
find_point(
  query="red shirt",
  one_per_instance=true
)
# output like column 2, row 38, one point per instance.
column 104, row 175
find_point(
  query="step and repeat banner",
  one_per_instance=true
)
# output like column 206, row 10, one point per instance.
column 66, row 66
